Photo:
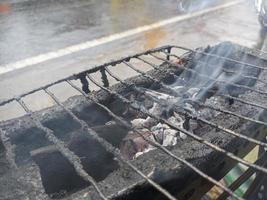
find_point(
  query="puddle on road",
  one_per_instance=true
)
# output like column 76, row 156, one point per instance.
column 118, row 8
column 153, row 38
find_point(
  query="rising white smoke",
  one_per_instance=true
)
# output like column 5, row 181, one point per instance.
column 194, row 5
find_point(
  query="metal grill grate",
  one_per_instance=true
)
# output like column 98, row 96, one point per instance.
column 179, row 63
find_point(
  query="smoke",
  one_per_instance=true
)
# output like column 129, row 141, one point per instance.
column 188, row 6
column 212, row 75
column 212, row 67
column 258, row 4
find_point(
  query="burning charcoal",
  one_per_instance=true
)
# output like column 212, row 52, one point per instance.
column 134, row 143
column 179, row 61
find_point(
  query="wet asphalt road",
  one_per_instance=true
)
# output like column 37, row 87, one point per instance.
column 32, row 27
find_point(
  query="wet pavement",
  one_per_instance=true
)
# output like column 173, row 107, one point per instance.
column 30, row 28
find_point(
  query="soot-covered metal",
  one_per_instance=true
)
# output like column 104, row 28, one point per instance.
column 170, row 133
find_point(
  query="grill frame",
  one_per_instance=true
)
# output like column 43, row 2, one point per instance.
column 101, row 96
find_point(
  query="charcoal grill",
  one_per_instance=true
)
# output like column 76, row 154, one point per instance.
column 72, row 150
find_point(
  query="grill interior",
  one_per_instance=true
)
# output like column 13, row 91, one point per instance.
column 87, row 146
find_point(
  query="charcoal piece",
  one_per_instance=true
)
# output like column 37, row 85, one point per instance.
column 133, row 144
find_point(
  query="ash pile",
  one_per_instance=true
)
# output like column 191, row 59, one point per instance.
column 183, row 116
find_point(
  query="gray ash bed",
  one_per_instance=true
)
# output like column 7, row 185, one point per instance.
column 172, row 132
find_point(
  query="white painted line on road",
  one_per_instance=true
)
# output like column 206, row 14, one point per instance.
column 103, row 40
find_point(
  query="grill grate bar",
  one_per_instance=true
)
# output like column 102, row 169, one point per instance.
column 224, row 70
column 246, row 175
column 103, row 69
column 169, row 89
column 212, row 79
column 220, row 57
column 127, row 125
column 76, row 76
column 245, row 102
column 143, row 110
column 61, row 146
column 190, row 116
column 229, row 113
column 214, row 125
column 223, row 95
column 85, row 83
column 158, row 68
column 202, row 86
column 4, row 102
column 107, row 145
column 104, row 77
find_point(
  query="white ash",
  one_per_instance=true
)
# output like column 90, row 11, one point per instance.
column 141, row 123
column 148, row 122
column 178, row 121
column 162, row 133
